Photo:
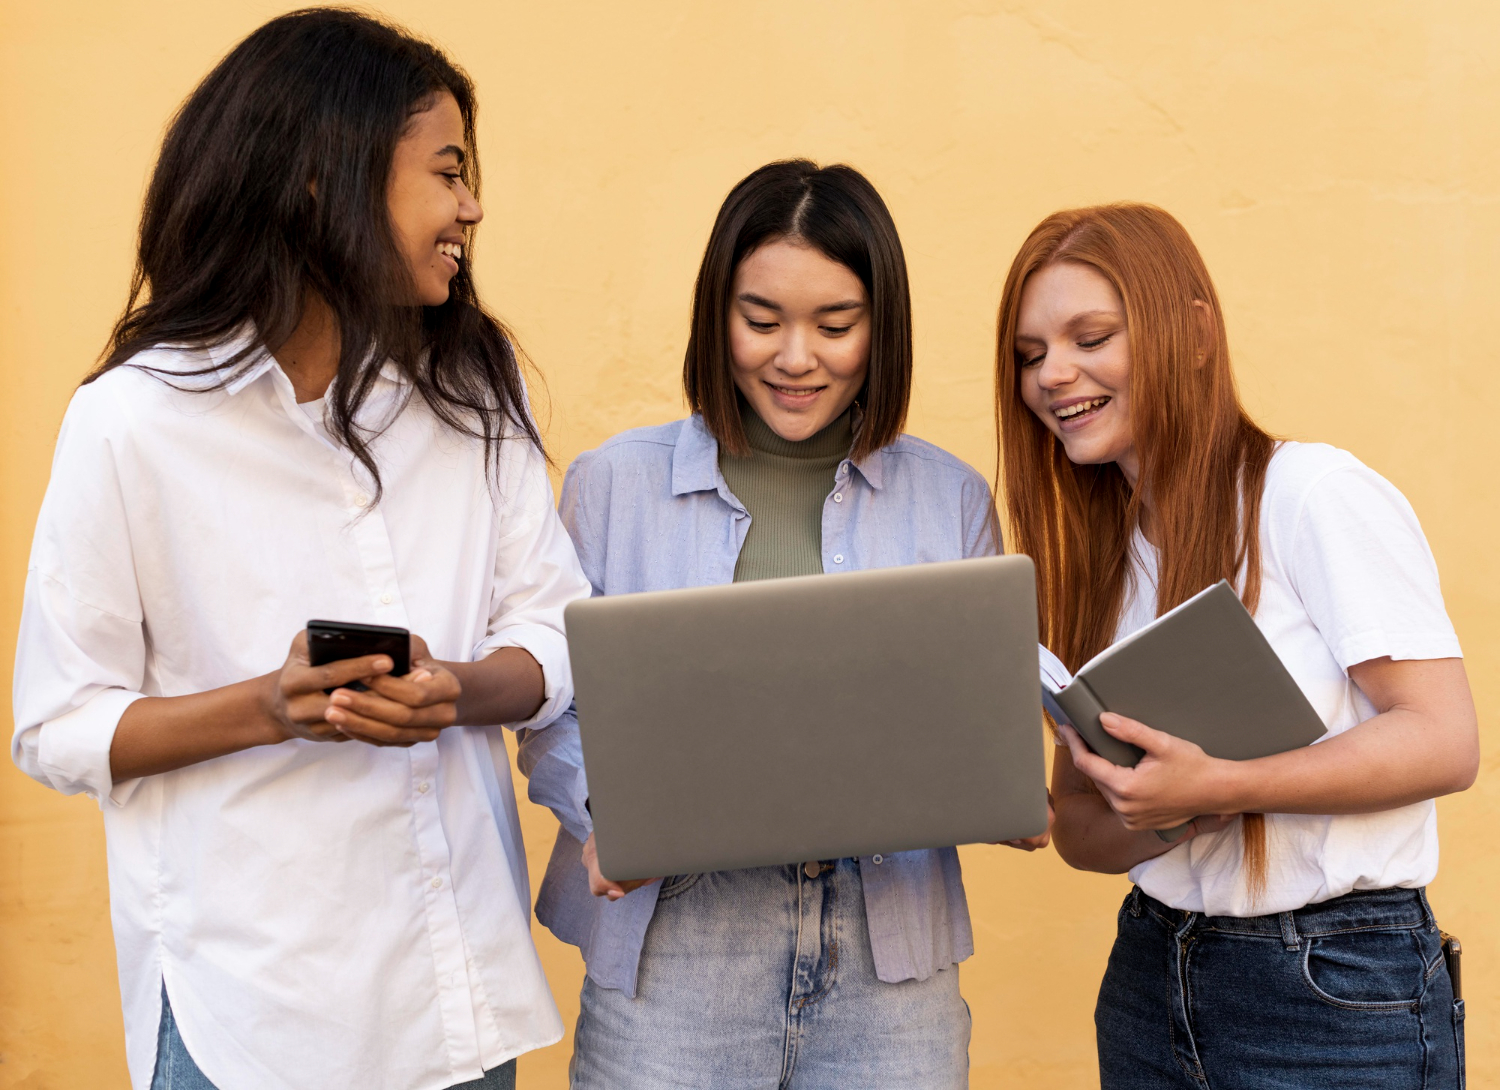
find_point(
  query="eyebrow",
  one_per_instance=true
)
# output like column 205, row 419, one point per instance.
column 451, row 149
column 761, row 301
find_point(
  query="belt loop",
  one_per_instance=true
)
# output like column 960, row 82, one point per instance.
column 1289, row 936
column 1135, row 900
column 1426, row 908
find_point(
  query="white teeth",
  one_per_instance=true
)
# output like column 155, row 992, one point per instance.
column 451, row 249
column 1081, row 407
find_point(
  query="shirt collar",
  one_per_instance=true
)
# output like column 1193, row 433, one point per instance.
column 260, row 362
column 695, row 460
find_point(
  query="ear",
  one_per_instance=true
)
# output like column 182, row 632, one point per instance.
column 1205, row 332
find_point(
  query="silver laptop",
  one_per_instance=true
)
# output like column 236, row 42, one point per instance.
column 818, row 717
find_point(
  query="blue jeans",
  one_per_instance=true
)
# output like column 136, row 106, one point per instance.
column 1351, row 993
column 175, row 1069
column 763, row 980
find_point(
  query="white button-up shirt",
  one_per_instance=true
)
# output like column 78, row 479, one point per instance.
column 322, row 915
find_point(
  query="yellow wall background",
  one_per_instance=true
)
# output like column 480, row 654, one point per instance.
column 1337, row 162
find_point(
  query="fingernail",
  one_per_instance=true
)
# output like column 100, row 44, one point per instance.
column 341, row 698
column 422, row 675
column 333, row 715
column 383, row 664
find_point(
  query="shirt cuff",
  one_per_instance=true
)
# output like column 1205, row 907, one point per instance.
column 73, row 749
column 550, row 649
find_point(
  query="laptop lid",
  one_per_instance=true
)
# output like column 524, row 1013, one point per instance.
column 815, row 717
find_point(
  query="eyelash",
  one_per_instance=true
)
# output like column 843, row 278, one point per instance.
column 453, row 177
column 766, row 327
column 1034, row 360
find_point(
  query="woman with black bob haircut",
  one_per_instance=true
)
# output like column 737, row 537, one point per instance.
column 833, row 973
column 305, row 412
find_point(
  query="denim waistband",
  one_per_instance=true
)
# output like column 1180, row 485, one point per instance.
column 1363, row 909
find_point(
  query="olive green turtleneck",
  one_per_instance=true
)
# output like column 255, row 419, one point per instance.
column 783, row 485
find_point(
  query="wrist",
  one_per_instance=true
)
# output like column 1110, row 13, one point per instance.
column 1234, row 788
column 266, row 726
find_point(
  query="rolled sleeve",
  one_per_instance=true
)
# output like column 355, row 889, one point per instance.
column 536, row 575
column 78, row 668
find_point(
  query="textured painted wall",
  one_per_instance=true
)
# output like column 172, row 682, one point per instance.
column 1338, row 163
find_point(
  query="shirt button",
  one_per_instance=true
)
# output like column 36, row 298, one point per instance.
column 838, row 558
column 877, row 859
column 385, row 599
column 437, row 883
column 838, row 497
column 361, row 500
column 422, row 788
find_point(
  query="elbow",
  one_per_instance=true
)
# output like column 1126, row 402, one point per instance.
column 1079, row 853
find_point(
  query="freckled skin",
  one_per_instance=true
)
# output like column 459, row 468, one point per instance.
column 1072, row 339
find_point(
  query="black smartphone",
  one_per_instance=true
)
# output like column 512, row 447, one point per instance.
column 332, row 641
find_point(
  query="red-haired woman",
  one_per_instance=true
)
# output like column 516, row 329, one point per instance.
column 1287, row 941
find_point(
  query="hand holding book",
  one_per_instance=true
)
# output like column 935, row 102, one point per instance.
column 1199, row 684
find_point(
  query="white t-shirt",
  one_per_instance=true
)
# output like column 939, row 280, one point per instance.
column 1347, row 576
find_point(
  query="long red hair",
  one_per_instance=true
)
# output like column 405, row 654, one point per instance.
column 1203, row 460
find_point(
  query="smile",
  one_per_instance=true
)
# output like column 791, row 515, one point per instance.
column 802, row 392
column 1080, row 408
column 455, row 250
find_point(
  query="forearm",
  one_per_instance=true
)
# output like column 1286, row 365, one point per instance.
column 162, row 733
column 504, row 687
column 1394, row 759
column 1090, row 836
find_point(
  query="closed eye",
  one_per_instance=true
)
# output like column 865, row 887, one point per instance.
column 760, row 327
column 836, row 330
column 1095, row 343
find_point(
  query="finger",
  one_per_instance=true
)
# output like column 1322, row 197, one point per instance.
column 311, row 679
column 374, row 730
column 373, row 705
column 419, row 688
column 1135, row 732
column 1086, row 760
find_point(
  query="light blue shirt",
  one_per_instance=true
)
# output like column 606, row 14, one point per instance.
column 649, row 510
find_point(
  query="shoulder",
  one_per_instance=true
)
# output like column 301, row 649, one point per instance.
column 929, row 464
column 153, row 379
column 1301, row 473
column 638, row 447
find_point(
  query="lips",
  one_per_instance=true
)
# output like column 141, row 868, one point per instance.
column 1074, row 410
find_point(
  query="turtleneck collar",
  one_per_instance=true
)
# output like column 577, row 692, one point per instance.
column 833, row 441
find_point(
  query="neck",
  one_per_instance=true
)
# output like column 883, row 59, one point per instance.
column 310, row 356
column 834, row 440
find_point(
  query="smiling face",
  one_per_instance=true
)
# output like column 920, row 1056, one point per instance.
column 799, row 337
column 430, row 206
column 1074, row 352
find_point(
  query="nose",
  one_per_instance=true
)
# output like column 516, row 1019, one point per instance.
column 469, row 212
column 796, row 357
column 1055, row 370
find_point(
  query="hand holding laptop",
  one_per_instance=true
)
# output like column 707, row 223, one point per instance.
column 601, row 886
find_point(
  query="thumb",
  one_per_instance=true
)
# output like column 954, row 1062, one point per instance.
column 1134, row 732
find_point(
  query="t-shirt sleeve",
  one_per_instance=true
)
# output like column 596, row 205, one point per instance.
column 1357, row 558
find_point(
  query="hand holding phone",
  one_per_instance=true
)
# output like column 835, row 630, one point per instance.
column 409, row 703
column 335, row 641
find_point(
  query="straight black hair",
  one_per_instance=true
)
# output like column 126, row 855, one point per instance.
column 272, row 183
column 837, row 211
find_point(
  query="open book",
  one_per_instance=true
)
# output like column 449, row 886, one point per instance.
column 1202, row 671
